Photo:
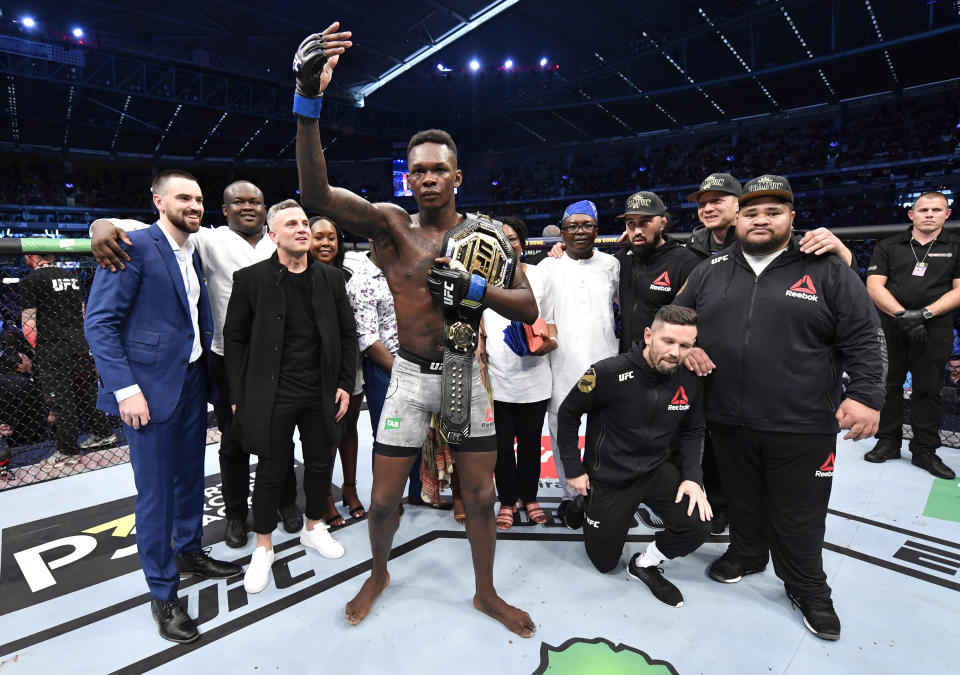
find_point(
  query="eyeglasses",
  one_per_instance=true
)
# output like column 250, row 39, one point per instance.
column 579, row 227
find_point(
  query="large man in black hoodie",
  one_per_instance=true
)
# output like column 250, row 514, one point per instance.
column 781, row 327
column 653, row 267
column 640, row 405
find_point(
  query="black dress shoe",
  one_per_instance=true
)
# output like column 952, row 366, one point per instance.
column 928, row 461
column 235, row 535
column 199, row 564
column 883, row 451
column 291, row 517
column 173, row 623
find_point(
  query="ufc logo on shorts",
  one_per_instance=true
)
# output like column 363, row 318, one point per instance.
column 436, row 365
column 447, row 293
column 593, row 523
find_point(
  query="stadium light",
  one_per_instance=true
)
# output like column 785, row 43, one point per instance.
column 543, row 62
column 440, row 67
column 474, row 65
column 454, row 34
column 78, row 32
column 508, row 64
column 28, row 22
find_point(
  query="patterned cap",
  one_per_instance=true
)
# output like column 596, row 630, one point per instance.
column 643, row 204
column 767, row 185
column 717, row 182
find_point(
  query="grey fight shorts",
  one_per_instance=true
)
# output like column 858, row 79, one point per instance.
column 413, row 395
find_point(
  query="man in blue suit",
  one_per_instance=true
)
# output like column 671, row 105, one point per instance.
column 150, row 330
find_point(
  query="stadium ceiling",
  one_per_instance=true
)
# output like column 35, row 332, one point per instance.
column 211, row 81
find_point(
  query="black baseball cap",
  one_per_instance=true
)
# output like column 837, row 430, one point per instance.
column 767, row 185
column 643, row 204
column 717, row 182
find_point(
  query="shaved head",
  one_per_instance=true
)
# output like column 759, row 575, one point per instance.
column 237, row 185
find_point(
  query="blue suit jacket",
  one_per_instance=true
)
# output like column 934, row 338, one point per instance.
column 139, row 328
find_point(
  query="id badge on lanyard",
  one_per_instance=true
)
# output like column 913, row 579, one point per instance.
column 920, row 269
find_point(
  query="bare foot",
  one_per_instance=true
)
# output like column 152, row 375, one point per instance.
column 516, row 620
column 359, row 607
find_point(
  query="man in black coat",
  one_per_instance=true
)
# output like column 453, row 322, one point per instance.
column 290, row 350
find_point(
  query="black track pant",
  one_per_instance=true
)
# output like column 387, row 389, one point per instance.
column 70, row 382
column 926, row 363
column 272, row 471
column 610, row 512
column 778, row 486
column 518, row 477
column 711, row 477
column 234, row 461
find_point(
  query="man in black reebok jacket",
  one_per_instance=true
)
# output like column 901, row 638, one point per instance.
column 640, row 404
column 781, row 327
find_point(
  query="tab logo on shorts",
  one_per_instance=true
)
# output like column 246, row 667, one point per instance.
column 803, row 289
column 661, row 283
column 392, row 423
column 680, row 400
column 826, row 469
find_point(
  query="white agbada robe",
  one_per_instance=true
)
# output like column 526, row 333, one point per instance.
column 578, row 299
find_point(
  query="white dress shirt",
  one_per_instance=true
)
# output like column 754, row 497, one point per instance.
column 222, row 252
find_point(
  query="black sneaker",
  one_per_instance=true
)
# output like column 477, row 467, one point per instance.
column 652, row 576
column 571, row 512
column 818, row 616
column 649, row 518
column 929, row 462
column 291, row 517
column 728, row 569
column 719, row 523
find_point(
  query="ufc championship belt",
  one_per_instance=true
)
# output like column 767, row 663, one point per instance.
column 478, row 246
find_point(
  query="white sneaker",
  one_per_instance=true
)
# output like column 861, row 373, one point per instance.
column 95, row 441
column 258, row 571
column 319, row 538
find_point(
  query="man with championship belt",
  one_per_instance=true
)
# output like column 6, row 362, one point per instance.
column 427, row 259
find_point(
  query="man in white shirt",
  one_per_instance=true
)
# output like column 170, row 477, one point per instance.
column 223, row 251
column 580, row 289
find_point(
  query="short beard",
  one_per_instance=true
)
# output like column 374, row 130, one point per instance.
column 649, row 246
column 666, row 370
column 179, row 222
column 766, row 248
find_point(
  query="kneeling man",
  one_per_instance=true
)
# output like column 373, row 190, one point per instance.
column 640, row 405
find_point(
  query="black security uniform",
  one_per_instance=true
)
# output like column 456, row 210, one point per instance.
column 67, row 372
column 781, row 341
column 895, row 258
column 635, row 416
column 648, row 281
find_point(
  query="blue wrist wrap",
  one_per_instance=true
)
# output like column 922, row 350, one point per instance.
column 478, row 286
column 307, row 107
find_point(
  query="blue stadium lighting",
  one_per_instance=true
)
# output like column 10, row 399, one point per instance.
column 78, row 32
column 69, row 186
column 543, row 62
column 508, row 64
column 474, row 65
column 834, row 144
column 494, row 183
column 440, row 67
column 730, row 158
column 28, row 22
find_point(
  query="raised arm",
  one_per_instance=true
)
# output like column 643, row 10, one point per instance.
column 314, row 62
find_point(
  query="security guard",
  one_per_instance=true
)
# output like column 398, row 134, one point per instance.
column 653, row 266
column 640, row 405
column 781, row 327
column 914, row 279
